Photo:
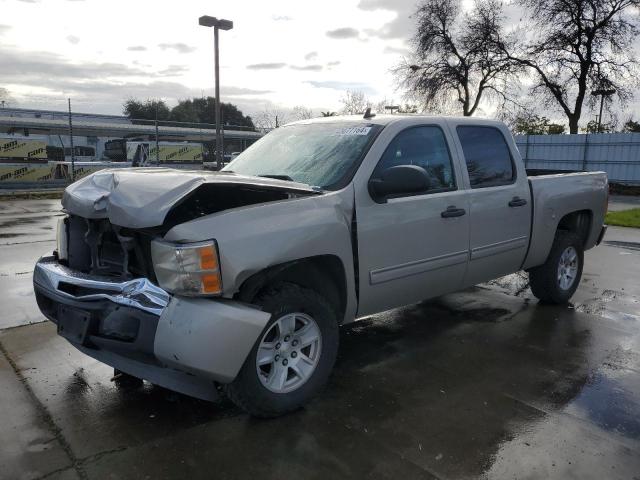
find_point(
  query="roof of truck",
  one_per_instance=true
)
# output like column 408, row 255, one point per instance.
column 385, row 119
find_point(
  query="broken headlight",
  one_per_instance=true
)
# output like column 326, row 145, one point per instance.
column 190, row 269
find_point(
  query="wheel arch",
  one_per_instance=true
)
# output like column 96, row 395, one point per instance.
column 579, row 222
column 324, row 274
column 543, row 233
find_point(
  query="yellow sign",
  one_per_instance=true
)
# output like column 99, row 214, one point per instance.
column 145, row 152
column 26, row 172
column 22, row 148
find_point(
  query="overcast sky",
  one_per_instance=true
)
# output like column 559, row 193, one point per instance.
column 280, row 52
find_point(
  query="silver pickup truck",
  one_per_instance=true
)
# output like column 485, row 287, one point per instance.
column 238, row 280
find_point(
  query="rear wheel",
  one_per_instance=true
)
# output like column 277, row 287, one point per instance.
column 558, row 278
column 293, row 357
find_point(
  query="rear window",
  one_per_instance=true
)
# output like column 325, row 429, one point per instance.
column 487, row 156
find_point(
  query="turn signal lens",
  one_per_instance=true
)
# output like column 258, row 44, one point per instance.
column 208, row 258
column 187, row 269
column 211, row 284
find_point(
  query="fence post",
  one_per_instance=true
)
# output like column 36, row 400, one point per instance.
column 73, row 154
column 584, row 153
column 526, row 153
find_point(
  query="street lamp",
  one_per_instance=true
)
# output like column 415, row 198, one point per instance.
column 602, row 93
column 207, row 21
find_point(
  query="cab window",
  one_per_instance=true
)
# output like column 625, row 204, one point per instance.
column 487, row 156
column 425, row 147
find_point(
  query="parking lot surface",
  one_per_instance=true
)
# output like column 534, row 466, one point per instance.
column 484, row 383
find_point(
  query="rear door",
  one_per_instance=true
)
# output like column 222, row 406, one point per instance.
column 407, row 250
column 500, row 208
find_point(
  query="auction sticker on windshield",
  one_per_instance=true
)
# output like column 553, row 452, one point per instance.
column 353, row 131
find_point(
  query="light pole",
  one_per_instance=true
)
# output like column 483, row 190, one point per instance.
column 602, row 93
column 207, row 21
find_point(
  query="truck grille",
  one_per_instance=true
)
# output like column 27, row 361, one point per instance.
column 99, row 248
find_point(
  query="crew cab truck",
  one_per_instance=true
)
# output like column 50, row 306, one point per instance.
column 239, row 279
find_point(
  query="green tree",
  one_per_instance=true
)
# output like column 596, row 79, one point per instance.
column 202, row 110
column 556, row 129
column 139, row 110
column 531, row 124
column 196, row 110
column 631, row 126
column 592, row 127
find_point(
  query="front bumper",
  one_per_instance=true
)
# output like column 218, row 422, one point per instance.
column 184, row 344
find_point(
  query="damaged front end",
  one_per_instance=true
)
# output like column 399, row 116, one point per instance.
column 97, row 247
column 108, row 298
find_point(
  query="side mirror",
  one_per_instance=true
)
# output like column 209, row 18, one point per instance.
column 399, row 180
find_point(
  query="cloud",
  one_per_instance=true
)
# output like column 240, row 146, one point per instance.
column 342, row 86
column 4, row 29
column 173, row 71
column 311, row 55
column 28, row 66
column 73, row 39
column 310, row 68
column 137, row 48
column 178, row 47
column 242, row 92
column 334, row 63
column 403, row 26
column 28, row 1
column 342, row 33
column 281, row 18
column 396, row 50
column 266, row 66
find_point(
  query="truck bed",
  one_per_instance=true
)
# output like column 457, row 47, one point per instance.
column 554, row 195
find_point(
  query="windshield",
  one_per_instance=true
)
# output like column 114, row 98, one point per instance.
column 318, row 154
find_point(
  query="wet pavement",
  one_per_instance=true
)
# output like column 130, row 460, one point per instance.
column 484, row 383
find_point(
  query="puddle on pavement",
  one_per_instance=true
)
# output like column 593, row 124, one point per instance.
column 610, row 400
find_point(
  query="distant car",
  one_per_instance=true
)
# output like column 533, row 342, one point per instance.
column 240, row 278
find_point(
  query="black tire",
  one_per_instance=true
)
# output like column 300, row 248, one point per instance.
column 247, row 390
column 543, row 280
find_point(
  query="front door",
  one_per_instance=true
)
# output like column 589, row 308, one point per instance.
column 416, row 246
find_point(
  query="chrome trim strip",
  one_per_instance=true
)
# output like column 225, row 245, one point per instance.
column 499, row 247
column 396, row 272
column 138, row 293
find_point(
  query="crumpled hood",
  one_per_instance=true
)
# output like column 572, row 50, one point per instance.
column 142, row 197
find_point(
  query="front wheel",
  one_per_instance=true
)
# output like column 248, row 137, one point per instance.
column 293, row 357
column 558, row 278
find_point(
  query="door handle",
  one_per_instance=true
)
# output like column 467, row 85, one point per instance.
column 517, row 202
column 453, row 211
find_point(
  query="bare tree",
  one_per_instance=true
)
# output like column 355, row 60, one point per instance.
column 300, row 112
column 270, row 118
column 455, row 59
column 578, row 46
column 354, row 102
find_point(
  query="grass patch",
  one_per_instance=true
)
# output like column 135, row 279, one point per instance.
column 624, row 218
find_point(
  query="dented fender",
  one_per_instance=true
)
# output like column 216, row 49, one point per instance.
column 207, row 338
column 257, row 237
